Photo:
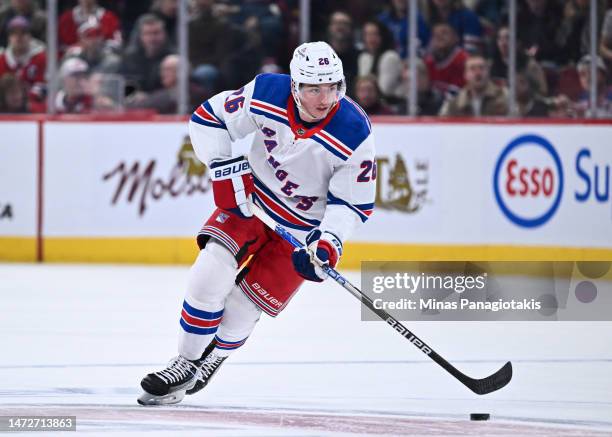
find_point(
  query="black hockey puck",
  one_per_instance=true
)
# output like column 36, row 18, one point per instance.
column 479, row 416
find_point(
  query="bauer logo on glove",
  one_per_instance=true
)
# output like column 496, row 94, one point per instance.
column 232, row 184
column 228, row 171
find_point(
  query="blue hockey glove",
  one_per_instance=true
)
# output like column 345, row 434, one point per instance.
column 321, row 248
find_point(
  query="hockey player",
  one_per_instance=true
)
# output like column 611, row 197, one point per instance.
column 311, row 168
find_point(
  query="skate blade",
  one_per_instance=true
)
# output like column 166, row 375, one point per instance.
column 148, row 399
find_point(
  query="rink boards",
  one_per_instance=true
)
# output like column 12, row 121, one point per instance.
column 132, row 191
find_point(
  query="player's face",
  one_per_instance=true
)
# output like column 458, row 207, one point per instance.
column 317, row 100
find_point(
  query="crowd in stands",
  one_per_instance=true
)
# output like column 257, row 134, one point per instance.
column 121, row 55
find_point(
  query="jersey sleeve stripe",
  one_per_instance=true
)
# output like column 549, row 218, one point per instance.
column 362, row 210
column 205, row 112
column 269, row 111
column 205, row 116
column 268, row 107
column 196, row 118
column 209, row 110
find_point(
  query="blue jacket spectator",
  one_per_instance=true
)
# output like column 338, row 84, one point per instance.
column 396, row 20
column 464, row 21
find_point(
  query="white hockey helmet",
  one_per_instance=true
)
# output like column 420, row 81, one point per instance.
column 316, row 63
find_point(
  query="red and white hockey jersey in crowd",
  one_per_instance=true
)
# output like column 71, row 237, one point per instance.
column 71, row 20
column 29, row 68
column 304, row 178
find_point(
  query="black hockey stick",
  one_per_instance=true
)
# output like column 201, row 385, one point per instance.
column 479, row 386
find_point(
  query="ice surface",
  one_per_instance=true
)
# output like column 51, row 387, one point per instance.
column 77, row 339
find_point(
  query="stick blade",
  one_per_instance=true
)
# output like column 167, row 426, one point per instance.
column 492, row 383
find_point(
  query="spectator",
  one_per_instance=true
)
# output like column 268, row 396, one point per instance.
column 167, row 11
column 340, row 37
column 130, row 11
column 107, row 91
column 367, row 94
column 320, row 11
column 92, row 49
column 491, row 13
column 480, row 96
column 573, row 34
column 70, row 21
column 396, row 20
column 208, row 43
column 465, row 22
column 537, row 23
column 529, row 101
column 140, row 62
column 429, row 99
column 604, row 94
column 380, row 59
column 163, row 100
column 501, row 54
column 446, row 60
column 25, row 57
column 268, row 17
column 211, row 44
column 246, row 59
column 13, row 95
column 605, row 45
column 28, row 9
column 75, row 96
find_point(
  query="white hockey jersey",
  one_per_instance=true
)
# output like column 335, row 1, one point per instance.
column 304, row 178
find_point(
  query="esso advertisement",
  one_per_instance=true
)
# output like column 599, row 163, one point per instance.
column 528, row 181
